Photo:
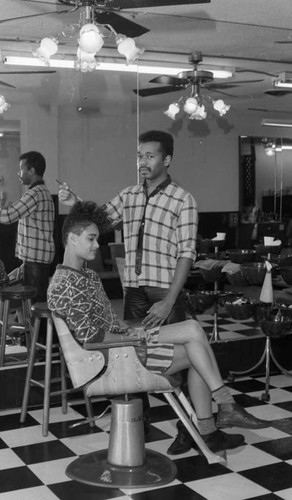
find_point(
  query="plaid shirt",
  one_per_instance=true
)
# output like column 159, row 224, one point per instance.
column 169, row 233
column 35, row 212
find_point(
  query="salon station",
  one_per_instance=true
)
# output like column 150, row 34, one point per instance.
column 79, row 82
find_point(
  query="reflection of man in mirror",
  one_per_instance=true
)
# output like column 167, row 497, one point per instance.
column 35, row 214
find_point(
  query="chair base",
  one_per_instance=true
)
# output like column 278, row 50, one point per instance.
column 95, row 470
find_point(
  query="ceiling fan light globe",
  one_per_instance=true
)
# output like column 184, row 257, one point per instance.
column 90, row 40
column 126, row 47
column 190, row 105
column 85, row 61
column 221, row 107
column 199, row 114
column 47, row 48
column 3, row 104
column 172, row 111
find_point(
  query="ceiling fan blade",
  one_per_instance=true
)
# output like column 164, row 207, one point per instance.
column 278, row 92
column 34, row 15
column 135, row 4
column 270, row 110
column 28, row 72
column 120, row 24
column 226, row 85
column 220, row 92
column 283, row 41
column 156, row 91
column 170, row 80
column 239, row 70
column 4, row 84
column 23, row 40
column 39, row 1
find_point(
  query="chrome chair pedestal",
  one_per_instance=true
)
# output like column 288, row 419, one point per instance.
column 126, row 463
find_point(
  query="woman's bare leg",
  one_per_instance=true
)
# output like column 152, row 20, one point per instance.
column 191, row 336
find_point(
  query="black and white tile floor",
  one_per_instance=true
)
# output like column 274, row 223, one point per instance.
column 32, row 467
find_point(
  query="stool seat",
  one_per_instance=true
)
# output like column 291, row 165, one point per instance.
column 17, row 292
column 40, row 310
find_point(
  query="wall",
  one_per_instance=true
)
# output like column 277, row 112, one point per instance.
column 94, row 149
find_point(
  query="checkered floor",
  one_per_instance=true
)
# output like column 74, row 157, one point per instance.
column 32, row 467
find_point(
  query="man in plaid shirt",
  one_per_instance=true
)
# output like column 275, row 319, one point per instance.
column 166, row 215
column 35, row 213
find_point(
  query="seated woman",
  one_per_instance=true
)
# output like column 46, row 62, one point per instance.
column 76, row 294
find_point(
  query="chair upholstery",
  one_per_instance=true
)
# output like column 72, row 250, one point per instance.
column 119, row 371
column 82, row 365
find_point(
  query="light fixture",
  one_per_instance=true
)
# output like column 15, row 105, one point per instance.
column 90, row 41
column 194, row 106
column 273, row 122
column 284, row 80
column 270, row 148
column 3, row 104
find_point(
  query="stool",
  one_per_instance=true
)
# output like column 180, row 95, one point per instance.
column 40, row 310
column 23, row 295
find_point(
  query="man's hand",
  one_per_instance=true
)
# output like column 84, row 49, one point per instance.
column 66, row 195
column 157, row 314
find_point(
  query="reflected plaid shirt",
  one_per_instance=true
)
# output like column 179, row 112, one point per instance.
column 35, row 212
column 169, row 233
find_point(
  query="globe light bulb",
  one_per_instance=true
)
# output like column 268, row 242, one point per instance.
column 85, row 61
column 221, row 107
column 190, row 105
column 90, row 40
column 47, row 48
column 127, row 47
column 172, row 110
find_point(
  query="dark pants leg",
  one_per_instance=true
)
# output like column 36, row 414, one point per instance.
column 137, row 302
column 36, row 274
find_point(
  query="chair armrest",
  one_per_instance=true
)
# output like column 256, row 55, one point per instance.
column 96, row 346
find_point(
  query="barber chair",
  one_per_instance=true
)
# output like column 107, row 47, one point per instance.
column 113, row 370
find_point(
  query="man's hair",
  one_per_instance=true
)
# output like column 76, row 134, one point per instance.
column 35, row 160
column 164, row 138
column 82, row 215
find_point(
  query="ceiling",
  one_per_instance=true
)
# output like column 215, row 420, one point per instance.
column 240, row 34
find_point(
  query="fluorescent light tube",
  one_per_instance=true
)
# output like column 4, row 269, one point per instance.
column 284, row 85
column 276, row 123
column 103, row 66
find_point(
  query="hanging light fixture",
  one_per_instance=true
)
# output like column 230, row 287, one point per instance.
column 194, row 105
column 3, row 104
column 269, row 146
column 90, row 41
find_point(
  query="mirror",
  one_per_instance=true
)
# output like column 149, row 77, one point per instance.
column 265, row 189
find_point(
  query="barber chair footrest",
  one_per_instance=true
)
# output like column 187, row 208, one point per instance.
column 95, row 470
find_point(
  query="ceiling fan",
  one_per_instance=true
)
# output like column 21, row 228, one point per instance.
column 109, row 12
column 195, row 79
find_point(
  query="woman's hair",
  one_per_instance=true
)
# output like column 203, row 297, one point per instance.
column 82, row 215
